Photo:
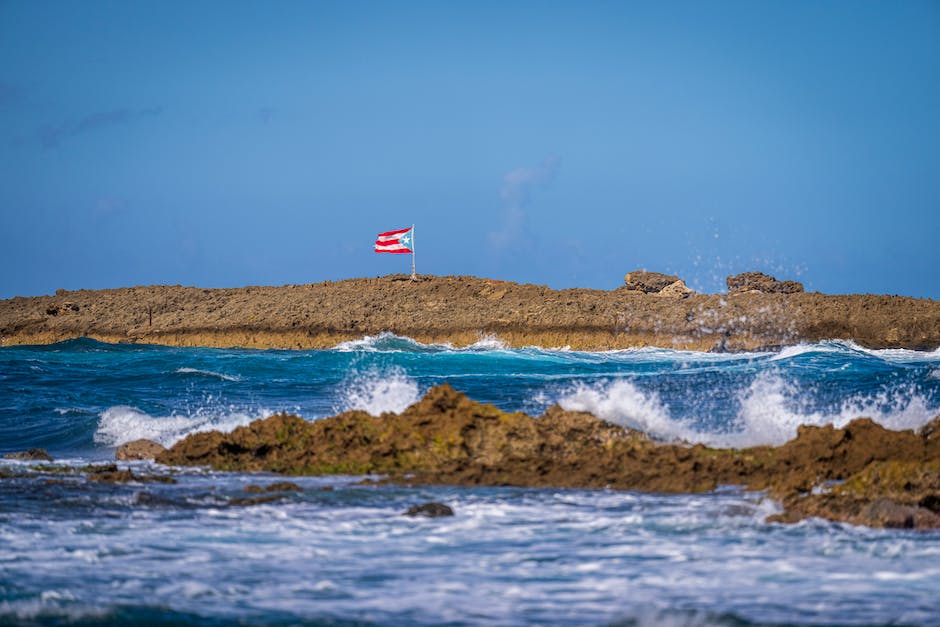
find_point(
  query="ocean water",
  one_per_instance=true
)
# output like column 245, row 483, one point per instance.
column 76, row 552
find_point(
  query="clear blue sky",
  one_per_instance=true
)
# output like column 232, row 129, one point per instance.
column 565, row 143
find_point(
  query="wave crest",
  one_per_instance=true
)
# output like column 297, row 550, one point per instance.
column 377, row 392
column 121, row 424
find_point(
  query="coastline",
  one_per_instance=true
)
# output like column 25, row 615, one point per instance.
column 462, row 311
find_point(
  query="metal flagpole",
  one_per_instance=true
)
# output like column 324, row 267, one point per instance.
column 414, row 277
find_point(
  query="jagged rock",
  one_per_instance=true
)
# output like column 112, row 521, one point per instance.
column 446, row 438
column 649, row 282
column 138, row 450
column 760, row 282
column 280, row 486
column 430, row 510
column 676, row 290
column 33, row 454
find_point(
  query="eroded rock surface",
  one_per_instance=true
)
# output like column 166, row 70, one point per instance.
column 648, row 282
column 760, row 282
column 883, row 476
column 136, row 450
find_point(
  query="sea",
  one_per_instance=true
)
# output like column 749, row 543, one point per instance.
column 341, row 552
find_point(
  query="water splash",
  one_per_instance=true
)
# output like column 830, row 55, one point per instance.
column 378, row 391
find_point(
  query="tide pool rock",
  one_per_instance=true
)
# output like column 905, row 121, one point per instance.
column 142, row 449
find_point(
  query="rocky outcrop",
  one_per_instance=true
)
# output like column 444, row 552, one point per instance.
column 138, row 450
column 461, row 309
column 648, row 282
column 884, row 476
column 761, row 283
column 33, row 454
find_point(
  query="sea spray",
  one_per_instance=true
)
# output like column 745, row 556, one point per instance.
column 376, row 391
column 120, row 424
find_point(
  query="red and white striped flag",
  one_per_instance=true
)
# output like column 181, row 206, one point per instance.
column 400, row 241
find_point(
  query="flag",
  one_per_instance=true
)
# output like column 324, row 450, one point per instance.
column 400, row 241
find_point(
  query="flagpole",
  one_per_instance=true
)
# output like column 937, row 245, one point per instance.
column 414, row 277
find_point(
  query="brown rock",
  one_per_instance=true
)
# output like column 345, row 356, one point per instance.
column 649, row 282
column 33, row 454
column 280, row 486
column 430, row 510
column 138, row 450
column 760, row 282
column 676, row 290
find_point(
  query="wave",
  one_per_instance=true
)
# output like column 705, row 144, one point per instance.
column 377, row 391
column 387, row 342
column 120, row 424
column 770, row 411
column 208, row 373
column 850, row 348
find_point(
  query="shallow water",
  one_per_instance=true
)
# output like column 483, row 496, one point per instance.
column 73, row 551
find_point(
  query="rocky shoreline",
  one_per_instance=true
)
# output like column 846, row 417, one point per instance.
column 862, row 474
column 758, row 312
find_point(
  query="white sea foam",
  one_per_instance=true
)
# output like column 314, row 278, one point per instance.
column 378, row 391
column 122, row 423
column 387, row 342
column 209, row 373
column 621, row 402
column 898, row 355
column 770, row 411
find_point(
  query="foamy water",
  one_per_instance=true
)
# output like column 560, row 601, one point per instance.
column 182, row 554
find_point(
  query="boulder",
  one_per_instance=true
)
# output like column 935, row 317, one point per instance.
column 430, row 510
column 648, row 282
column 760, row 282
column 33, row 454
column 138, row 450
column 676, row 290
column 279, row 486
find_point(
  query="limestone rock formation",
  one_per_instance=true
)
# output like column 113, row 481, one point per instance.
column 760, row 282
column 142, row 449
column 648, row 282
column 884, row 477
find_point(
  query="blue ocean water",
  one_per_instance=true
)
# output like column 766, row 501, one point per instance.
column 78, row 552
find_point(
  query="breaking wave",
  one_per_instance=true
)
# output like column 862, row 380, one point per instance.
column 377, row 392
column 387, row 342
column 120, row 424
column 770, row 411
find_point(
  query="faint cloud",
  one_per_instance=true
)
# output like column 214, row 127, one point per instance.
column 265, row 114
column 10, row 94
column 108, row 207
column 516, row 194
column 52, row 136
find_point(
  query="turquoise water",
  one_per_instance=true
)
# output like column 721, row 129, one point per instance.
column 77, row 552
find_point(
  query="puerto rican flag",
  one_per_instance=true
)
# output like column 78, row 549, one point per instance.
column 400, row 241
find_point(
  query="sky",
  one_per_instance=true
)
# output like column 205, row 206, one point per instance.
column 224, row 144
